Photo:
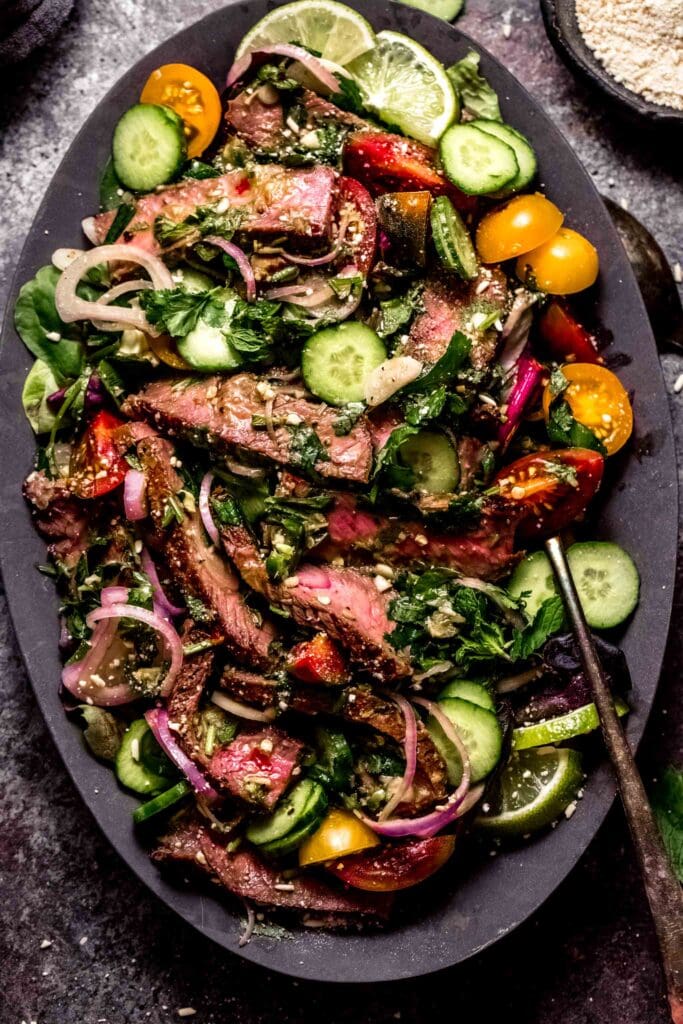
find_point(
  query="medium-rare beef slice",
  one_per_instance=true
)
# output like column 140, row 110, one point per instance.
column 341, row 602
column 219, row 412
column 263, row 125
column 198, row 570
column 271, row 200
column 257, row 766
column 185, row 697
column 62, row 519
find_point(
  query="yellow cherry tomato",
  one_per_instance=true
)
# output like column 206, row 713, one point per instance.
column 519, row 226
column 599, row 401
column 164, row 348
column 565, row 264
column 340, row 834
column 193, row 97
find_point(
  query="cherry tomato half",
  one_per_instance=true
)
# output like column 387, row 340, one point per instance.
column 565, row 338
column 551, row 489
column 164, row 348
column 97, row 466
column 193, row 97
column 395, row 866
column 564, row 264
column 519, row 226
column 340, row 834
column 599, row 401
column 358, row 210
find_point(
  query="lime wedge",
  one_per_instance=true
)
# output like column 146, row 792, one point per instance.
column 333, row 30
column 446, row 9
column 533, row 789
column 575, row 723
column 405, row 86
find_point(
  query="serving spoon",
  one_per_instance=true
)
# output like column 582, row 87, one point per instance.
column 663, row 890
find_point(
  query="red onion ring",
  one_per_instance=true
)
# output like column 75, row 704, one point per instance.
column 135, row 495
column 430, row 824
column 205, row 510
column 113, row 595
column 311, row 63
column 139, row 284
column 242, row 710
column 77, row 677
column 162, row 605
column 306, row 295
column 240, row 258
column 154, row 621
column 410, row 748
column 157, row 720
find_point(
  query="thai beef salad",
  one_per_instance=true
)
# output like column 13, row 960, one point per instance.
column 306, row 410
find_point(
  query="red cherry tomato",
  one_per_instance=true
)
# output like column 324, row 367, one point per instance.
column 97, row 466
column 550, row 489
column 394, row 866
column 357, row 208
column 566, row 339
column 318, row 661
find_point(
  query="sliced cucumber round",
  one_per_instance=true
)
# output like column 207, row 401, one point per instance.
column 433, row 460
column 607, row 582
column 467, row 689
column 477, row 162
column 533, row 581
column 149, row 146
column 190, row 280
column 452, row 239
column 524, row 154
column 298, row 812
column 138, row 766
column 479, row 730
column 206, row 348
column 336, row 362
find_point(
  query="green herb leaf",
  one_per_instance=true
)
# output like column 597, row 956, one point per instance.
column 38, row 386
column 305, row 448
column 174, row 310
column 667, row 803
column 446, row 368
column 347, row 417
column 398, row 312
column 124, row 216
column 36, row 317
column 549, row 619
column 349, row 96
column 565, row 430
column 476, row 95
column 388, row 466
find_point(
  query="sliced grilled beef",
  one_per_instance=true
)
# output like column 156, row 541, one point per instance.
column 263, row 125
column 449, row 304
column 219, row 411
column 60, row 517
column 341, row 602
column 188, row 689
column 191, row 843
column 273, row 200
column 485, row 551
column 271, row 692
column 257, row 766
column 198, row 570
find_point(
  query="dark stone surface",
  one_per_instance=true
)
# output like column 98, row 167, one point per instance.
column 116, row 956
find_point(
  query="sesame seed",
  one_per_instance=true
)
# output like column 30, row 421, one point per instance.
column 324, row 599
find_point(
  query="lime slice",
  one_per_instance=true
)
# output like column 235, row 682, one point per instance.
column 446, row 9
column 407, row 87
column 533, row 789
column 333, row 30
column 575, row 723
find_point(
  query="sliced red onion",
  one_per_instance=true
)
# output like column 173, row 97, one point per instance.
column 240, row 258
column 410, row 750
column 62, row 258
column 162, row 605
column 205, row 510
column 435, row 821
column 253, row 472
column 138, row 285
column 81, row 677
column 113, row 595
column 155, row 621
column 241, row 66
column 242, row 710
column 527, row 379
column 511, row 683
column 307, row 295
column 89, row 229
column 135, row 495
column 515, row 333
column 157, row 720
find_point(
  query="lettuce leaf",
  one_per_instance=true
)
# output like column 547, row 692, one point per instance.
column 41, row 328
column 476, row 95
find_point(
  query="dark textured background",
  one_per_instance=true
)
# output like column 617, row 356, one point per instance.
column 116, row 956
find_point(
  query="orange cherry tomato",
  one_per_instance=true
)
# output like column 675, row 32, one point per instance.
column 340, row 834
column 564, row 264
column 164, row 348
column 519, row 226
column 193, row 97
column 396, row 865
column 598, row 400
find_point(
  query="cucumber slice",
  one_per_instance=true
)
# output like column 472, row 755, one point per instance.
column 206, row 348
column 475, row 693
column 446, row 9
column 480, row 732
column 336, row 362
column 334, row 766
column 564, row 727
column 134, row 772
column 301, row 809
column 524, row 154
column 607, row 582
column 475, row 161
column 452, row 239
column 149, row 146
column 433, row 460
column 534, row 578
column 191, row 281
column 162, row 802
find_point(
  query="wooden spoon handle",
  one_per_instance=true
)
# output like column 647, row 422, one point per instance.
column 663, row 890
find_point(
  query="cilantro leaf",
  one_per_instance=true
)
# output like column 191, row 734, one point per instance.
column 398, row 312
column 564, row 429
column 174, row 310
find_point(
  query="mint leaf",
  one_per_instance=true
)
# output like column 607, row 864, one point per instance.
column 667, row 804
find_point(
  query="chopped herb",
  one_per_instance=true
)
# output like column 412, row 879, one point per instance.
column 198, row 170
column 172, row 511
column 565, row 430
column 305, row 447
column 446, row 367
column 398, row 312
column 549, row 619
column 349, row 96
column 347, row 417
column 558, row 382
column 124, row 216
column 198, row 610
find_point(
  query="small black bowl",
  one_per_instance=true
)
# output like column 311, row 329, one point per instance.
column 563, row 31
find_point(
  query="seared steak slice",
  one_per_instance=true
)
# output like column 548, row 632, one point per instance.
column 273, row 200
column 59, row 516
column 219, row 411
column 257, row 766
column 485, row 551
column 448, row 304
column 182, row 845
column 262, row 125
column 197, row 569
column 262, row 693
column 183, row 701
column 340, row 602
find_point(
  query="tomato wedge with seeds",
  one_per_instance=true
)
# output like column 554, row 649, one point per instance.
column 97, row 466
column 396, row 866
column 340, row 834
column 551, row 489
column 357, row 212
column 565, row 338
column 193, row 97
